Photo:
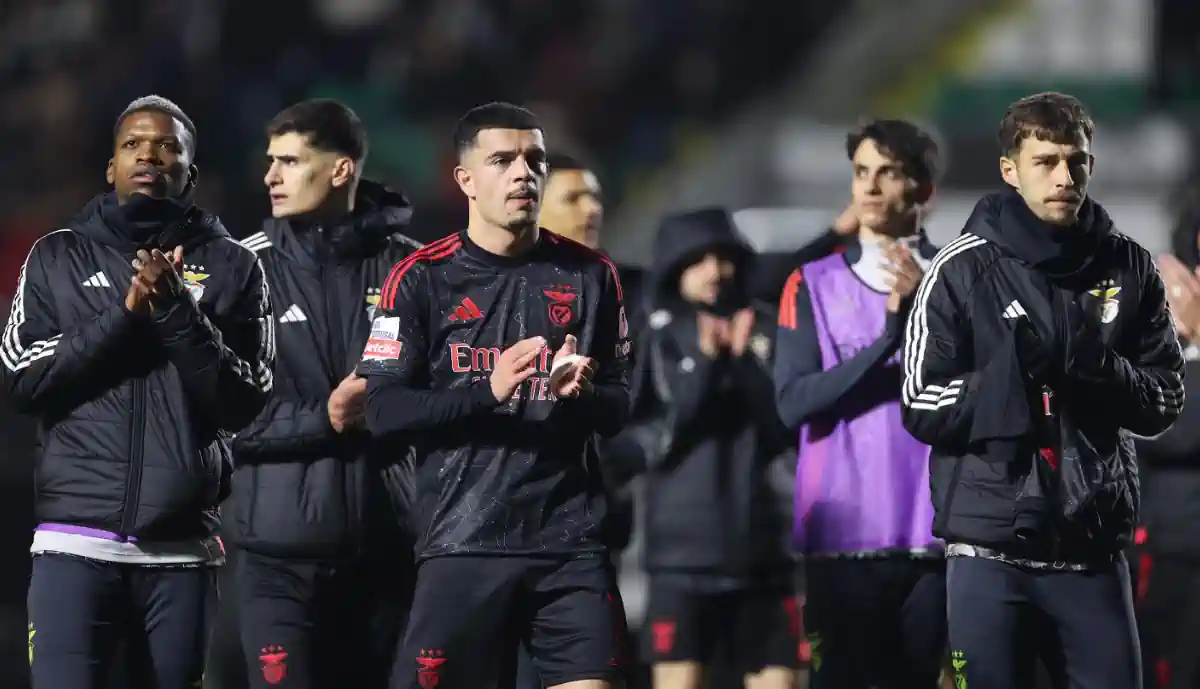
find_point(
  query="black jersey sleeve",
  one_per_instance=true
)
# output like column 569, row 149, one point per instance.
column 395, row 362
column 606, row 403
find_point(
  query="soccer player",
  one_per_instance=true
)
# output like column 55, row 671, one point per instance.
column 141, row 337
column 324, row 569
column 1169, row 540
column 875, row 604
column 721, row 577
column 459, row 362
column 1039, row 341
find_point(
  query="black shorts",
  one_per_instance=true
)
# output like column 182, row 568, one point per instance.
column 470, row 613
column 321, row 624
column 750, row 629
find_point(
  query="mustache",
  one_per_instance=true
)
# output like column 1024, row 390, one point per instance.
column 1069, row 198
column 523, row 193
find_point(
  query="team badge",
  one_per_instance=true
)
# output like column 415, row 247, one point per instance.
column 193, row 278
column 560, row 310
column 372, row 299
column 1107, row 291
column 429, row 670
column 274, row 665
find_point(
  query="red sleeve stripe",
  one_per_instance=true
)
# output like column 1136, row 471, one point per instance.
column 435, row 250
column 787, row 300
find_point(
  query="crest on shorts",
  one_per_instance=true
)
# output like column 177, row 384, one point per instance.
column 1107, row 291
column 560, row 311
column 429, row 668
column 274, row 667
column 959, row 664
column 193, row 278
column 372, row 299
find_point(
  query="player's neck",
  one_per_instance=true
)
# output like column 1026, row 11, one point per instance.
column 903, row 230
column 503, row 241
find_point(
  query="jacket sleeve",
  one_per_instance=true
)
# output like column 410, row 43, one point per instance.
column 49, row 365
column 395, row 363
column 803, row 388
column 287, row 428
column 229, row 371
column 941, row 390
column 1143, row 386
column 607, row 404
column 683, row 376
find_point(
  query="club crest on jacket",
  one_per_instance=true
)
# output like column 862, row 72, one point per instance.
column 1107, row 291
column 372, row 299
column 193, row 278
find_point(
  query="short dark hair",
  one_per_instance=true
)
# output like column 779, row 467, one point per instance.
column 491, row 116
column 562, row 162
column 153, row 103
column 908, row 144
column 1050, row 116
column 330, row 126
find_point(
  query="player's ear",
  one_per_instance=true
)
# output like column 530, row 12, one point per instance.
column 343, row 171
column 1008, row 172
column 193, row 176
column 462, row 176
column 110, row 173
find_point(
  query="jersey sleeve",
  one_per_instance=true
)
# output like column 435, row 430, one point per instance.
column 803, row 387
column 50, row 365
column 395, row 363
column 608, row 401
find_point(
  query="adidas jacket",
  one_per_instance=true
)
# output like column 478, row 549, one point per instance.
column 135, row 413
column 955, row 357
column 300, row 489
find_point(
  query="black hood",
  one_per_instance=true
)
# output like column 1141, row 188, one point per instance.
column 1004, row 219
column 145, row 222
column 379, row 215
column 1183, row 237
column 683, row 239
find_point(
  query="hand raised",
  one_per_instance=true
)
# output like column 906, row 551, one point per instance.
column 514, row 366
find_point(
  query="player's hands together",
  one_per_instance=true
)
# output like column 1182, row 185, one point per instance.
column 712, row 333
column 1183, row 295
column 740, row 328
column 157, row 277
column 576, row 376
column 514, row 366
column 904, row 276
column 347, row 403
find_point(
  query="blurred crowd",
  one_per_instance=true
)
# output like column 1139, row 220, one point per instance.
column 623, row 81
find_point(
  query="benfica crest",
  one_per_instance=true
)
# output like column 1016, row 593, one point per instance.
column 560, row 310
column 193, row 278
column 274, row 669
column 429, row 668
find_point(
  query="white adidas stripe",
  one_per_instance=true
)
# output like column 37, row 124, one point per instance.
column 917, row 335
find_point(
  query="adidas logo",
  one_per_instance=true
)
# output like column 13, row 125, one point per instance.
column 466, row 311
column 293, row 315
column 1015, row 310
column 97, row 280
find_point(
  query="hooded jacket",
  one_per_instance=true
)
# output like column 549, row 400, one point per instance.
column 1171, row 462
column 300, row 488
column 711, row 509
column 135, row 412
column 1093, row 296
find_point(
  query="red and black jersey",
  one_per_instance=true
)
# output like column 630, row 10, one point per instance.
column 521, row 477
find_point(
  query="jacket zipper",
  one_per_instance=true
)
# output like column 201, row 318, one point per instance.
column 338, row 355
column 137, row 435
